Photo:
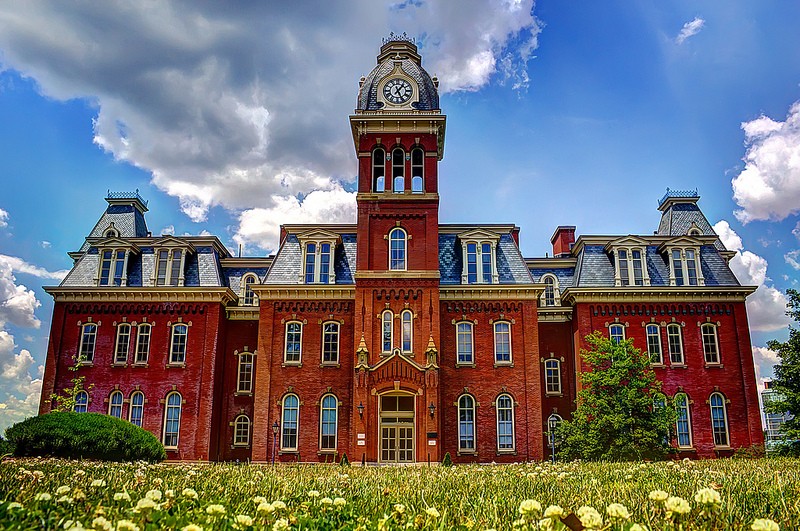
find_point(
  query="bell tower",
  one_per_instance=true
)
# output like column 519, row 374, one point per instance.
column 398, row 131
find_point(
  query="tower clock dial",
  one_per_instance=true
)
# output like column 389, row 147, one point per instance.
column 397, row 90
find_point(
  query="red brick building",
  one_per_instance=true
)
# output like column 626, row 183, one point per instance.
column 398, row 338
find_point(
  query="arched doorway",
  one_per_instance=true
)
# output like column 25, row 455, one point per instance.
column 396, row 428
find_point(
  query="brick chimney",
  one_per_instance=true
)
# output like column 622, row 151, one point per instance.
column 562, row 241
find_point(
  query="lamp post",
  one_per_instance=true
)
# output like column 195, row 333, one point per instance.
column 552, row 424
column 275, row 428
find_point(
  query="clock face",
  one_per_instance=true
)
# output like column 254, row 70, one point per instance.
column 397, row 91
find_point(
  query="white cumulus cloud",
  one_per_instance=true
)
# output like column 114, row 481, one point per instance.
column 690, row 29
column 768, row 188
column 766, row 308
column 21, row 266
column 17, row 303
column 793, row 258
column 3, row 218
column 19, row 389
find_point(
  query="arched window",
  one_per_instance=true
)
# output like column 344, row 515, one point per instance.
column 675, row 341
column 88, row 340
column 710, row 343
column 378, row 170
column 136, row 410
column 172, row 420
column 549, row 290
column 115, row 404
column 244, row 379
column 407, row 320
column 330, row 342
column 552, row 376
column 177, row 352
column 417, row 170
column 466, row 423
column 505, row 423
column 654, row 344
column 553, row 422
column 294, row 342
column 502, row 342
column 290, row 413
column 464, row 343
column 397, row 249
column 249, row 297
column 241, row 431
column 81, row 402
column 123, row 343
column 328, row 422
column 683, row 421
column 111, row 233
column 617, row 333
column 398, row 171
column 387, row 331
column 719, row 419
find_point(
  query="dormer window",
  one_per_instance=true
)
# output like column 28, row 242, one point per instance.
column 479, row 257
column 111, row 233
column 249, row 297
column 378, row 170
column 684, row 270
column 398, row 171
column 169, row 270
column 113, row 267
column 319, row 248
column 551, row 295
column 417, row 170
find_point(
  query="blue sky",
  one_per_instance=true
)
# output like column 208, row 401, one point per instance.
column 233, row 121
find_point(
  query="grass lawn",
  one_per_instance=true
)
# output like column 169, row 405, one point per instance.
column 722, row 494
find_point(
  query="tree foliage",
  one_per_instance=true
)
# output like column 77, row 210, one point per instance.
column 621, row 413
column 787, row 379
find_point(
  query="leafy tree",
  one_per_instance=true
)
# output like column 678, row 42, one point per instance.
column 66, row 400
column 787, row 379
column 621, row 413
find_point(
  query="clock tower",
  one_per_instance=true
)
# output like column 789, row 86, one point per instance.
column 398, row 130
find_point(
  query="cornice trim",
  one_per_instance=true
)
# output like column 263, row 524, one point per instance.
column 128, row 294
column 555, row 315
column 304, row 291
column 491, row 292
column 420, row 273
column 242, row 313
column 658, row 294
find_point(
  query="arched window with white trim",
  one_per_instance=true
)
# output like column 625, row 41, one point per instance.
column 172, row 420
column 136, row 411
column 378, row 170
column 552, row 376
column 328, row 422
column 397, row 249
column 551, row 295
column 249, row 297
column 617, row 333
column 505, row 423
column 387, row 331
column 417, row 170
column 115, row 404
column 241, row 431
column 398, row 171
column 719, row 419
column 407, row 327
column 502, row 342
column 290, row 421
column 81, row 402
column 683, row 421
column 122, row 344
column 466, row 423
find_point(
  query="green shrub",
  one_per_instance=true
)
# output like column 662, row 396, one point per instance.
column 84, row 436
column 6, row 448
column 447, row 461
column 344, row 461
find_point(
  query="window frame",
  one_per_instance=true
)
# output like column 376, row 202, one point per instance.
column 175, row 348
column 238, row 422
column 679, row 266
column 407, row 333
column 325, row 343
column 659, row 360
column 688, row 420
column 509, row 449
column 480, row 261
column 678, row 327
column 118, row 339
column 402, row 174
column 387, row 318
column 417, row 176
column 468, row 423
column 168, row 407
column 495, row 335
column 322, row 423
column 87, row 343
column 552, row 386
column 133, row 406
column 471, row 333
column 551, row 296
column 298, row 342
column 114, row 260
column 614, row 326
column 629, row 279
column 316, row 263
column 714, row 431
column 382, row 166
column 248, row 296
column 398, row 264
column 111, row 405
column 245, row 364
column 285, row 447
column 715, row 336
column 81, row 404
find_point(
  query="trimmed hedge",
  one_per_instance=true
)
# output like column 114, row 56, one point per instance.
column 83, row 436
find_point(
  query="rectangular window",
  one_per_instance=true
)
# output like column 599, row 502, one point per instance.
column 177, row 353
column 105, row 267
column 142, row 343
column 175, row 272
column 622, row 257
column 675, row 344
column 112, row 267
column 677, row 267
column 324, row 262
column 311, row 255
column 168, row 272
column 387, row 328
column 691, row 267
column 654, row 344
column 502, row 342
column 464, row 343
column 638, row 277
column 245, row 374
column 294, row 342
column 710, row 345
column 552, row 375
column 486, row 260
column 163, row 260
column 88, row 340
column 330, row 343
column 617, row 333
column 472, row 263
column 123, row 343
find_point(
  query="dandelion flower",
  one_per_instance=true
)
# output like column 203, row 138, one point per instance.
column 64, row 499
column 281, row 524
column 553, row 512
column 617, row 510
column 127, row 525
column 677, row 505
column 122, row 496
column 707, row 497
column 63, row 489
column 189, row 493
column 528, row 507
column 326, row 501
column 339, row 502
column 169, row 493
column 279, row 505
column 658, row 495
column 764, row 524
column 313, row 494
column 154, row 494
column 590, row 518
column 432, row 512
column 258, row 500
column 80, row 473
column 215, row 510
column 243, row 520
column 98, row 483
column 399, row 508
column 146, row 504
column 101, row 524
column 265, row 508
column 192, row 527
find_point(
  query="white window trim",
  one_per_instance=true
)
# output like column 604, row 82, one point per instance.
column 286, row 361
column 558, row 391
column 318, row 261
column 166, row 416
column 338, row 343
column 614, row 325
column 172, row 351
column 149, row 334
column 283, row 424
column 556, row 291
column 715, row 328
column 131, row 407
column 479, row 260
column 474, row 449
column 83, row 357
column 115, row 392
column 724, row 416
column 661, row 361
column 244, row 286
column 336, row 424
column 513, row 448
column 239, row 364
column 405, row 248
column 510, row 361
column 374, row 185
column 410, row 315
column 684, row 266
column 168, row 274
column 687, row 402
column 236, row 442
column 85, row 404
column 114, row 250
column 631, row 276
column 471, row 362
column 384, row 350
column 120, row 327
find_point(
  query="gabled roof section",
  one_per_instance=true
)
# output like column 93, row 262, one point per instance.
column 479, row 234
column 318, row 234
column 171, row 241
column 680, row 241
column 114, row 242
column 627, row 241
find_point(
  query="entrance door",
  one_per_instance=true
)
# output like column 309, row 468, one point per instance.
column 397, row 429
